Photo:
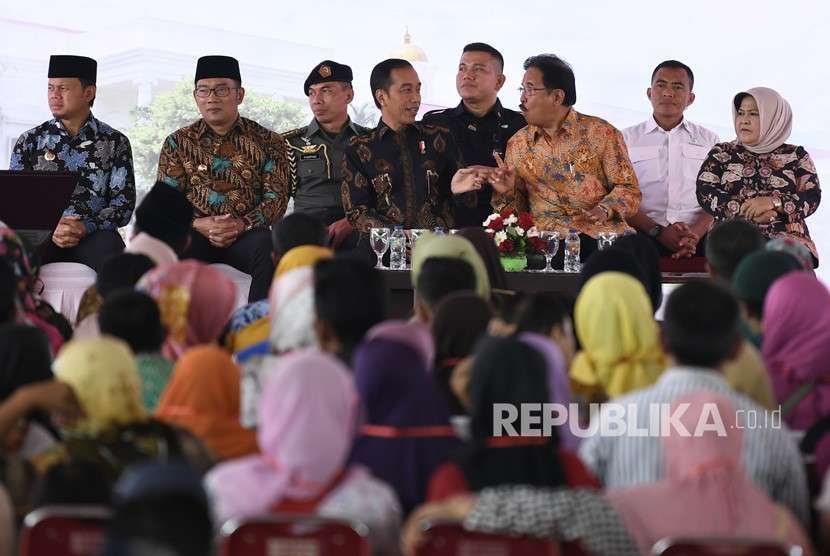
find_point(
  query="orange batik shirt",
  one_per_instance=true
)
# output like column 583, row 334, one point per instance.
column 584, row 165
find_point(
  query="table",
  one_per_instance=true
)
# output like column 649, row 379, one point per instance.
column 400, row 295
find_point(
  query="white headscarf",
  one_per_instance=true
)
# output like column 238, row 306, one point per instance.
column 775, row 115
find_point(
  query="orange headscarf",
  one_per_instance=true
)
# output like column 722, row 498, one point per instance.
column 203, row 397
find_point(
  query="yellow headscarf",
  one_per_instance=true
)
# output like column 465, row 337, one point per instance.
column 102, row 373
column 620, row 344
column 454, row 247
column 304, row 255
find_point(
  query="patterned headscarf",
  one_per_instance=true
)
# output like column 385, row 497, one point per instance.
column 304, row 255
column 620, row 346
column 103, row 375
column 195, row 301
column 292, row 310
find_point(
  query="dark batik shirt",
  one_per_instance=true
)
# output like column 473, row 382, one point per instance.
column 243, row 173
column 105, row 195
column 732, row 174
column 315, row 162
column 477, row 139
column 403, row 177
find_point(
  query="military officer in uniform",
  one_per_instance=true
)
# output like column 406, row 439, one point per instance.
column 315, row 152
column 479, row 124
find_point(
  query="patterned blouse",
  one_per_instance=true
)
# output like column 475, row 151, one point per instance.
column 731, row 174
column 584, row 166
column 243, row 173
column 402, row 177
column 105, row 194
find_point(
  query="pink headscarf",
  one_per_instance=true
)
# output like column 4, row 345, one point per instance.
column 412, row 334
column 796, row 345
column 307, row 417
column 195, row 301
column 705, row 491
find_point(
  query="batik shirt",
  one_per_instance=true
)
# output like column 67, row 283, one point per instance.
column 583, row 166
column 243, row 173
column 105, row 194
column 400, row 178
column 732, row 174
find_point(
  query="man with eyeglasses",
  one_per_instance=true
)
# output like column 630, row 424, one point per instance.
column 402, row 172
column 480, row 125
column 75, row 141
column 570, row 170
column 667, row 151
column 315, row 152
column 233, row 171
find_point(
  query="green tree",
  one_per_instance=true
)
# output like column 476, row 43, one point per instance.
column 175, row 109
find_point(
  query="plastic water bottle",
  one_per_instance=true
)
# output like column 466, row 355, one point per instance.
column 572, row 263
column 397, row 249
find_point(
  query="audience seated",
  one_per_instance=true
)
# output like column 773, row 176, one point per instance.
column 162, row 225
column 203, row 398
column 430, row 245
column 135, row 318
column 71, row 483
column 311, row 395
column 406, row 430
column 438, row 278
column 486, row 248
column 195, row 301
column 620, row 345
column 728, row 243
column 646, row 255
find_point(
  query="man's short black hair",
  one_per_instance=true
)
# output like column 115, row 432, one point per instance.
column 728, row 242
column 135, row 318
column 441, row 276
column 556, row 74
column 381, row 78
column 349, row 296
column 296, row 229
column 87, row 83
column 674, row 64
column 701, row 324
column 540, row 312
column 484, row 47
column 121, row 271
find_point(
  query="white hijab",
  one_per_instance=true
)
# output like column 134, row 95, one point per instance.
column 775, row 114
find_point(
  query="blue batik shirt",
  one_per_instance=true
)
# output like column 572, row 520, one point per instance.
column 105, row 195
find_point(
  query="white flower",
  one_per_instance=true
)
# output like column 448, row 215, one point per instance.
column 500, row 237
column 512, row 219
column 533, row 232
column 520, row 231
column 490, row 219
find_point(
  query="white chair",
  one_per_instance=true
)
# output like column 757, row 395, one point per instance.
column 63, row 286
column 242, row 281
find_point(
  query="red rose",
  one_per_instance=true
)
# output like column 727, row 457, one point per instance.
column 496, row 224
column 525, row 221
column 506, row 246
column 506, row 212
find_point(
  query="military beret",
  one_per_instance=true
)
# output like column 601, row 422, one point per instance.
column 217, row 66
column 327, row 71
column 73, row 66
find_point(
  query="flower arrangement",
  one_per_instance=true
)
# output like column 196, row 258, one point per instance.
column 515, row 236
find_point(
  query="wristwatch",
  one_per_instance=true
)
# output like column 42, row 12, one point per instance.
column 655, row 231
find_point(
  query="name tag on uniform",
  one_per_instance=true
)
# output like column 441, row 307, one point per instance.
column 309, row 156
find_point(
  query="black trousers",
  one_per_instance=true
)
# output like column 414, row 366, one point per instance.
column 250, row 253
column 93, row 250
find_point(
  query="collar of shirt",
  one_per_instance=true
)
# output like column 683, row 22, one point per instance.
column 564, row 127
column 202, row 127
column 382, row 129
column 494, row 112
column 314, row 127
column 651, row 126
column 90, row 124
column 700, row 375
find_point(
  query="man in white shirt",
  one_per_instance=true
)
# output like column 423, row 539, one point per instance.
column 667, row 151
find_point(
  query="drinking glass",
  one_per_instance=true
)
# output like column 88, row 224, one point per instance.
column 606, row 239
column 551, row 240
column 379, row 239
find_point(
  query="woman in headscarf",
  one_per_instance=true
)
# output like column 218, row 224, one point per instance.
column 460, row 320
column 796, row 347
column 758, row 176
column 507, row 371
column 202, row 397
column 486, row 247
column 195, row 301
column 406, row 432
column 307, row 416
column 250, row 325
column 27, row 304
column 641, row 252
column 705, row 492
column 619, row 337
column 451, row 246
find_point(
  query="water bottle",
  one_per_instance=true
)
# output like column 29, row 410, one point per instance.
column 572, row 252
column 397, row 249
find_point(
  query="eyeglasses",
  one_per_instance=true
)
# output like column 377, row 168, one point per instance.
column 221, row 91
column 530, row 91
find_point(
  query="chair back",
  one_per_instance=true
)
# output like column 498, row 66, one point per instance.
column 723, row 547
column 451, row 539
column 64, row 531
